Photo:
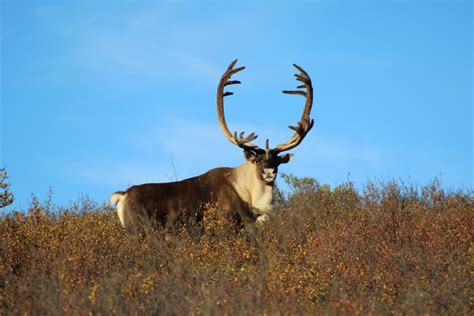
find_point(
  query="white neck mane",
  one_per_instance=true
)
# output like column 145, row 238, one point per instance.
column 252, row 189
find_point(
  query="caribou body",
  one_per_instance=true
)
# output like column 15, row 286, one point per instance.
column 245, row 191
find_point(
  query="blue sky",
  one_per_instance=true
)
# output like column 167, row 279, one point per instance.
column 96, row 96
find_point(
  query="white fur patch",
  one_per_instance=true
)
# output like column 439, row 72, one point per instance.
column 252, row 189
column 120, row 210
column 118, row 198
column 115, row 198
column 269, row 174
column 262, row 199
column 262, row 218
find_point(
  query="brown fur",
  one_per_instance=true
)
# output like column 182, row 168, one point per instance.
column 166, row 203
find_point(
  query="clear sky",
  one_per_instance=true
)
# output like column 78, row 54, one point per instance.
column 99, row 95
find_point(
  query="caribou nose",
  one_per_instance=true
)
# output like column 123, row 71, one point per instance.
column 269, row 174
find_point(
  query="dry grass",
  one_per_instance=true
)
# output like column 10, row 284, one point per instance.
column 387, row 249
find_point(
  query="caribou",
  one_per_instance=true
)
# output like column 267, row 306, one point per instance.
column 245, row 191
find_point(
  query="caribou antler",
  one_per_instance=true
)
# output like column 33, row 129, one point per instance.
column 306, row 123
column 237, row 139
column 303, row 127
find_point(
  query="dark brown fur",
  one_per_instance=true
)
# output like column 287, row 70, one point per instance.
column 167, row 203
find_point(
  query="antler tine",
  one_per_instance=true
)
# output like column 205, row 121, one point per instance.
column 232, row 64
column 305, row 124
column 245, row 142
column 241, row 141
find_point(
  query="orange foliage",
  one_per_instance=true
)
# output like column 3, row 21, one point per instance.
column 390, row 249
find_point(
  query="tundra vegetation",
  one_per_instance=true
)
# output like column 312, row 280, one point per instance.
column 6, row 195
column 384, row 248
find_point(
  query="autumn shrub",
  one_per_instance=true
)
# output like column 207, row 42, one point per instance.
column 6, row 195
column 386, row 248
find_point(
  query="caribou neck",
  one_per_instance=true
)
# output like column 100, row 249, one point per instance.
column 252, row 189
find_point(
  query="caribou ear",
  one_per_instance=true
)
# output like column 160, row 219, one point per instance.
column 285, row 158
column 250, row 156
